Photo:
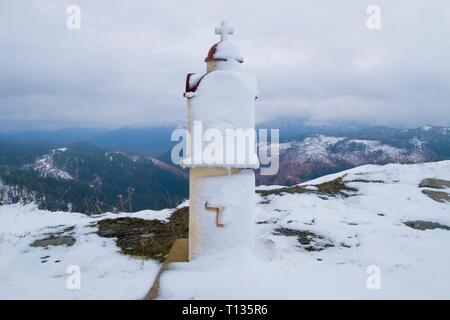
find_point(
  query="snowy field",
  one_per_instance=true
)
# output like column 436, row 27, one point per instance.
column 38, row 273
column 344, row 236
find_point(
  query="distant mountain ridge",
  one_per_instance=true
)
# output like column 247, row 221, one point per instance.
column 142, row 141
column 87, row 179
column 310, row 156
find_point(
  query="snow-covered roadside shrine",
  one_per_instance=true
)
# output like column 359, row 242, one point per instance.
column 221, row 196
column 221, row 193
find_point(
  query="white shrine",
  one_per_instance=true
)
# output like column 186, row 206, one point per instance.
column 220, row 107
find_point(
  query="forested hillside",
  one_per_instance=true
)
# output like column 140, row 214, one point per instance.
column 85, row 178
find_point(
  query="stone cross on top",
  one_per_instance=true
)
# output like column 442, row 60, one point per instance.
column 224, row 30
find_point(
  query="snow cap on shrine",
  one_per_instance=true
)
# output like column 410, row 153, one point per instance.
column 224, row 50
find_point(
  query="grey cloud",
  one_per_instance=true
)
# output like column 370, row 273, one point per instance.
column 127, row 64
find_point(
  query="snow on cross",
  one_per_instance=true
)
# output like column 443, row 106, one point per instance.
column 224, row 30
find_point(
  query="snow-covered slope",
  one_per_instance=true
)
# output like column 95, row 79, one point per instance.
column 28, row 272
column 352, row 232
column 314, row 240
column 46, row 168
column 316, row 155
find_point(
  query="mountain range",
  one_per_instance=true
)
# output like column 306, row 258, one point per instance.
column 130, row 169
column 84, row 178
column 309, row 156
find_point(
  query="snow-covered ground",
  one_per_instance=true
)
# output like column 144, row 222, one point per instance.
column 37, row 273
column 366, row 229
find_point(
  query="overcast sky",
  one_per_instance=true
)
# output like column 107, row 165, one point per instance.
column 128, row 62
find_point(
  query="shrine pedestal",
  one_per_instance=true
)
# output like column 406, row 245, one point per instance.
column 178, row 253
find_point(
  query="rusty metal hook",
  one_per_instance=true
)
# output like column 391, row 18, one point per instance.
column 218, row 211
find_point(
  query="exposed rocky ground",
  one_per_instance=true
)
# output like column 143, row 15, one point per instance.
column 336, row 187
column 146, row 238
column 431, row 183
